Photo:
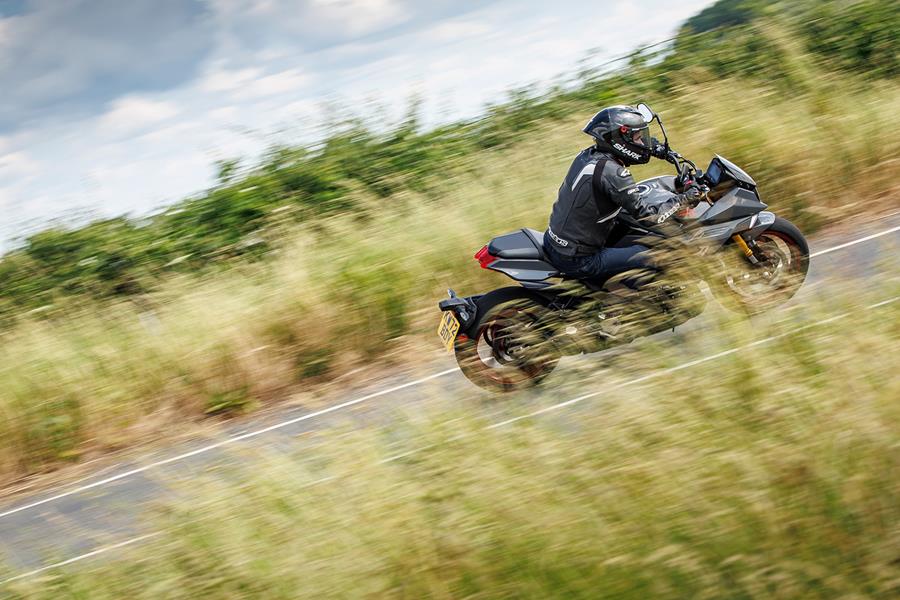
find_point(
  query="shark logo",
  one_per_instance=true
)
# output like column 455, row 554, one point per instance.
column 626, row 151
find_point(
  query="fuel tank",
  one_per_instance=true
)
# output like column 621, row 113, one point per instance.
column 656, row 189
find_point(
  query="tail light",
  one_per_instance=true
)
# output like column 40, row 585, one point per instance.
column 484, row 258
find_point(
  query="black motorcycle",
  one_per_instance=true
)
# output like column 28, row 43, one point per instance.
column 513, row 337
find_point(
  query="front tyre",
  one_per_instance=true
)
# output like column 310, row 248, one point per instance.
column 784, row 261
column 510, row 349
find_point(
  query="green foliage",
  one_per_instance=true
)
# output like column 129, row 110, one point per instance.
column 731, row 37
column 227, row 401
column 685, row 486
column 318, row 259
column 53, row 430
column 725, row 14
column 357, row 168
column 858, row 36
column 314, row 363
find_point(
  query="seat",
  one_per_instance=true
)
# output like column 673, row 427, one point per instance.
column 538, row 238
column 525, row 244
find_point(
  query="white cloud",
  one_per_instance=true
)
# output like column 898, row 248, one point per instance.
column 284, row 82
column 224, row 114
column 360, row 16
column 132, row 114
column 6, row 201
column 17, row 165
column 170, row 133
column 224, row 80
column 457, row 30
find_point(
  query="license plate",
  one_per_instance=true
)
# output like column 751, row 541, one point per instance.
column 448, row 329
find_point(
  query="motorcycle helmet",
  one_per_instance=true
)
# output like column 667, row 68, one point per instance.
column 622, row 131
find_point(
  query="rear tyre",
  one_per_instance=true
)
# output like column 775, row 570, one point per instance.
column 510, row 349
column 748, row 288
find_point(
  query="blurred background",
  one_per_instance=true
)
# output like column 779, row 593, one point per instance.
column 134, row 103
column 211, row 207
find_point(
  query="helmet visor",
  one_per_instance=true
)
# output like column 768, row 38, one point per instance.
column 640, row 136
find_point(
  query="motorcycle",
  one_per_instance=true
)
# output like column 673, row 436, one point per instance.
column 513, row 337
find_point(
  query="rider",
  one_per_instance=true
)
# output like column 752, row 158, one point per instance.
column 598, row 187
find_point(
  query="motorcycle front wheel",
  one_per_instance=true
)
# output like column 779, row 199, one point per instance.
column 510, row 349
column 783, row 253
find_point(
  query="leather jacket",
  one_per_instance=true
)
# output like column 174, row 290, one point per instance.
column 596, row 188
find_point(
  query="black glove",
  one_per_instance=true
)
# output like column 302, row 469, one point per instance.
column 658, row 150
column 694, row 193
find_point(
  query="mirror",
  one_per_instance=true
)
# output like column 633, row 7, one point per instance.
column 645, row 111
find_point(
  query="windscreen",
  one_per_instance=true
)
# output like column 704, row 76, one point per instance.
column 735, row 172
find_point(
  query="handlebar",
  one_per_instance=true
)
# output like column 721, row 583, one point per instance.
column 687, row 170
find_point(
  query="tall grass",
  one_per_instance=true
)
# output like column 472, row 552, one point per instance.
column 350, row 289
column 770, row 473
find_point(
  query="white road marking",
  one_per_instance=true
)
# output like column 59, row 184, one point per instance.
column 252, row 434
column 102, row 550
column 686, row 365
column 225, row 442
column 536, row 413
column 854, row 242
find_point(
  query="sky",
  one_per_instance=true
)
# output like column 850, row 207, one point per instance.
column 111, row 107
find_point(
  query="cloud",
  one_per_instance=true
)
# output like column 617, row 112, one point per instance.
column 316, row 25
column 17, row 165
column 283, row 82
column 131, row 103
column 221, row 79
column 6, row 199
column 132, row 114
column 64, row 59
column 359, row 16
column 458, row 29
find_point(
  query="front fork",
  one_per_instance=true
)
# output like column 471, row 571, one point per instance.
column 757, row 224
column 762, row 263
column 745, row 248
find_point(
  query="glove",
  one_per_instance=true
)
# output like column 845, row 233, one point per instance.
column 658, row 150
column 694, row 193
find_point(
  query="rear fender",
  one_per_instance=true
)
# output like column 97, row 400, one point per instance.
column 465, row 309
column 485, row 303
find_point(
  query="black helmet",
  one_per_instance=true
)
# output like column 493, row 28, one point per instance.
column 623, row 131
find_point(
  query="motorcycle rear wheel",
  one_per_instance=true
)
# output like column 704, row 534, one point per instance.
column 510, row 349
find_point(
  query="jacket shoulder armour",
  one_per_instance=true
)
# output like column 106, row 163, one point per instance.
column 615, row 177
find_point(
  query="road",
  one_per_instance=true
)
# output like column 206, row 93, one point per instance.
column 99, row 515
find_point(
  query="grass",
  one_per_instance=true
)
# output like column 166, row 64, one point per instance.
column 769, row 473
column 356, row 289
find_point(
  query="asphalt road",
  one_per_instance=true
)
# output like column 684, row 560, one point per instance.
column 96, row 516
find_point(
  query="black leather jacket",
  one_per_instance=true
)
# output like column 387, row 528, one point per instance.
column 593, row 193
